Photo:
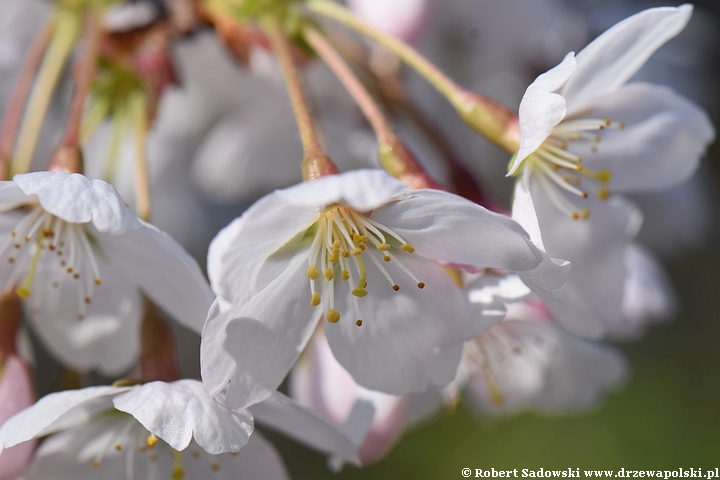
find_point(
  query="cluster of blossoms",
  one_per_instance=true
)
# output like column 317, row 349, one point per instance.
column 381, row 286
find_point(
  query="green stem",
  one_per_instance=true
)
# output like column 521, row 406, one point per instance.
column 138, row 109
column 66, row 31
column 491, row 119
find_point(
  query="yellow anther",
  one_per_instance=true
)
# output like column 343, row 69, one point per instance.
column 328, row 274
column 355, row 251
column 406, row 247
column 363, row 239
column 387, row 258
column 575, row 216
column 118, row 447
column 333, row 258
column 383, row 247
column 358, row 322
column 98, row 281
column 333, row 316
column 579, row 168
column 336, row 245
column 95, row 464
column 152, row 440
column 312, row 272
column 621, row 125
column 315, row 300
column 603, row 193
column 346, row 254
column 396, row 287
column 359, row 292
column 69, row 270
column 345, row 275
column 215, row 467
column 362, row 247
column 421, row 285
column 584, row 214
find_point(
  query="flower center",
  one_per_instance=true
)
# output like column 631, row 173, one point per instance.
column 63, row 250
column 557, row 168
column 343, row 240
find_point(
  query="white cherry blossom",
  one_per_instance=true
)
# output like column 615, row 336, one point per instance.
column 360, row 249
column 587, row 135
column 77, row 255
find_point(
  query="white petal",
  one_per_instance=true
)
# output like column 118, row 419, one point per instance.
column 163, row 270
column 107, row 339
column 246, row 246
column 11, row 196
column 523, row 210
column 662, row 142
column 409, row 339
column 649, row 295
column 56, row 412
column 612, row 58
column 180, row 411
column 594, row 290
column 541, row 109
column 288, row 417
column 363, row 190
column 77, row 199
column 445, row 227
column 540, row 366
column 259, row 340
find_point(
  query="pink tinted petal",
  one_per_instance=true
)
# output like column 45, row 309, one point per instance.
column 16, row 393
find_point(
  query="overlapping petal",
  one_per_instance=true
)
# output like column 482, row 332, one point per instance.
column 180, row 411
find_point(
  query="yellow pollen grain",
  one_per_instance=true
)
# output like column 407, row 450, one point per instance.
column 584, row 214
column 312, row 272
column 406, row 247
column 575, row 216
column 362, row 247
column 328, row 274
column 603, row 193
column 355, row 251
column 152, row 440
column 333, row 316
column 396, row 287
column 98, row 281
column 69, row 270
column 358, row 322
column 95, row 464
column 383, row 247
column 315, row 300
column 421, row 285
column 118, row 447
column 345, row 275
column 387, row 258
column 579, row 168
column 346, row 254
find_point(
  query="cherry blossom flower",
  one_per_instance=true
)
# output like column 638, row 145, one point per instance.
column 358, row 248
column 582, row 125
column 528, row 361
column 76, row 254
column 586, row 134
column 159, row 429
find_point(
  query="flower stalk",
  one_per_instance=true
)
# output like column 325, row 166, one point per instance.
column 316, row 163
column 489, row 118
column 66, row 29
column 393, row 155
